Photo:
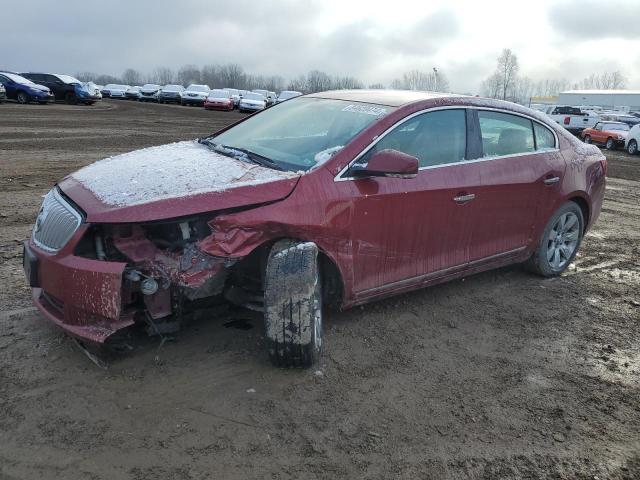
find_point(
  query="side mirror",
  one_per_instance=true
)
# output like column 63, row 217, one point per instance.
column 387, row 163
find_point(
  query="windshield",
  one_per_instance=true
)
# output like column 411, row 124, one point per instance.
column 172, row 88
column 151, row 86
column 304, row 132
column 18, row 78
column 253, row 96
column 68, row 79
column 197, row 88
column 232, row 91
column 218, row 94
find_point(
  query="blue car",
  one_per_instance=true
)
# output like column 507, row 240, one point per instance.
column 66, row 87
column 23, row 90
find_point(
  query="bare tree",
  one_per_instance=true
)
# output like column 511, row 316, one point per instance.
column 434, row 81
column 86, row 76
column 189, row 74
column 163, row 76
column 318, row 81
column 508, row 70
column 131, row 77
column 298, row 84
column 377, row 86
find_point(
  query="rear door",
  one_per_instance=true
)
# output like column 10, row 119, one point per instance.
column 515, row 177
column 406, row 230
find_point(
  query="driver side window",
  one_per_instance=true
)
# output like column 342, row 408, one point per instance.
column 434, row 138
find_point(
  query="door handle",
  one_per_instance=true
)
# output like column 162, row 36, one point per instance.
column 467, row 197
column 551, row 180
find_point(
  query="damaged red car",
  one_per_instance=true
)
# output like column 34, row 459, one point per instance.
column 332, row 199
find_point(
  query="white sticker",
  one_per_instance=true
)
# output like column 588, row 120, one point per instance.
column 366, row 109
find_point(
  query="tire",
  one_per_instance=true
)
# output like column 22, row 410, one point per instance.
column 587, row 139
column 22, row 97
column 293, row 304
column 632, row 147
column 565, row 229
column 610, row 145
column 70, row 98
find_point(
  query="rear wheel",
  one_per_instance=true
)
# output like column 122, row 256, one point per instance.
column 587, row 139
column 22, row 97
column 609, row 145
column 559, row 242
column 293, row 304
column 632, row 147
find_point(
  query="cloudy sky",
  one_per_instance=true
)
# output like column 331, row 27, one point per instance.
column 373, row 40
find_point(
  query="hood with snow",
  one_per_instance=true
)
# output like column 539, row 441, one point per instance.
column 170, row 181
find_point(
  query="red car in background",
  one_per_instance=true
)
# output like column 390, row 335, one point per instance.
column 219, row 100
column 610, row 134
column 330, row 199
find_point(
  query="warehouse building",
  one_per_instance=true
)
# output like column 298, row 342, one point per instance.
column 628, row 100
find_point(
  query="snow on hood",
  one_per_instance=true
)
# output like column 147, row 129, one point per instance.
column 170, row 171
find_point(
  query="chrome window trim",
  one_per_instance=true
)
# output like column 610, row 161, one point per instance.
column 338, row 177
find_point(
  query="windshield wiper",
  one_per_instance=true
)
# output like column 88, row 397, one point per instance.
column 245, row 154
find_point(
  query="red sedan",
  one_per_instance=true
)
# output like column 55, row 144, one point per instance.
column 218, row 100
column 331, row 199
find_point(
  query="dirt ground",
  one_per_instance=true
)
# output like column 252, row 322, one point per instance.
column 499, row 375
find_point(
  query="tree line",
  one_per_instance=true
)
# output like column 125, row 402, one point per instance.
column 233, row 75
column 506, row 83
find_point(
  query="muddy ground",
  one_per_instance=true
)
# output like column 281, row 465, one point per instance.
column 499, row 375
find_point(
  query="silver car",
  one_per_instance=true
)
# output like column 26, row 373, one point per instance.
column 149, row 92
column 195, row 95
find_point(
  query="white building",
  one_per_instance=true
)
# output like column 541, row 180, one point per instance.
column 628, row 100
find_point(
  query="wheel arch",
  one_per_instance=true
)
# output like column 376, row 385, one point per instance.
column 584, row 207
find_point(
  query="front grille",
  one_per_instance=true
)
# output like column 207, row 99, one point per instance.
column 56, row 222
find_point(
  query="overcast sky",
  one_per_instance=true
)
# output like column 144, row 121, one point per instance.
column 373, row 40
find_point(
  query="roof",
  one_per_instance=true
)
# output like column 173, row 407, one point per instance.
column 391, row 98
column 602, row 92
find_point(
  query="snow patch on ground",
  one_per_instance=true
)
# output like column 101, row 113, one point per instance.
column 170, row 171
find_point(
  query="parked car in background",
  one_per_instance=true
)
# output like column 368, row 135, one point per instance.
column 195, row 95
column 572, row 118
column 3, row 93
column 171, row 94
column 65, row 87
column 633, row 140
column 114, row 90
column 235, row 94
column 23, row 90
column 620, row 117
column 280, row 208
column 252, row 102
column 269, row 97
column 149, row 92
column 219, row 100
column 132, row 93
column 609, row 134
column 287, row 94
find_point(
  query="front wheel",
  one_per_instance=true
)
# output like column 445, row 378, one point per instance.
column 632, row 147
column 587, row 139
column 609, row 145
column 22, row 97
column 559, row 242
column 293, row 304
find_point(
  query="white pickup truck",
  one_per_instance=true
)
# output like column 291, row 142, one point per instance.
column 572, row 118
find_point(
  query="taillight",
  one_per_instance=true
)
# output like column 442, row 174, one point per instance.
column 567, row 120
column 603, row 164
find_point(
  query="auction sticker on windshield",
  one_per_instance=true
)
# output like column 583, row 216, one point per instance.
column 367, row 109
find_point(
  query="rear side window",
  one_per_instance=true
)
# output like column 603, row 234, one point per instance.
column 434, row 138
column 545, row 140
column 505, row 134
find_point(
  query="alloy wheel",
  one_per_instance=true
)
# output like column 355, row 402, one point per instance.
column 563, row 240
column 632, row 148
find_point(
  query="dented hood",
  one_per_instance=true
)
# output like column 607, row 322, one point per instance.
column 169, row 181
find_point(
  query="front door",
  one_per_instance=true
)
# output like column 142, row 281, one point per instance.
column 404, row 229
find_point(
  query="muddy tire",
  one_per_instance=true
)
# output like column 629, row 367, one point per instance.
column 559, row 242
column 293, row 304
column 587, row 139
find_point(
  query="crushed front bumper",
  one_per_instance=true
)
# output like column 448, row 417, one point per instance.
column 80, row 295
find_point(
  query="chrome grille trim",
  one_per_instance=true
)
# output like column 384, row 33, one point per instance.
column 56, row 223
